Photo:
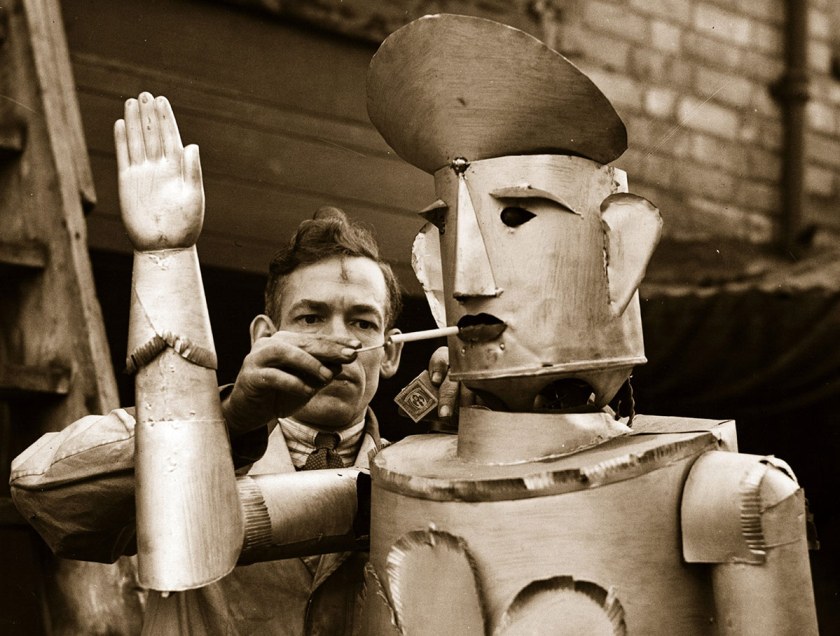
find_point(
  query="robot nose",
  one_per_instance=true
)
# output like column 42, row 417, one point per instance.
column 473, row 270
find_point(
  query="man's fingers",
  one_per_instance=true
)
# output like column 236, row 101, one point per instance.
column 121, row 144
column 315, row 361
column 170, row 136
column 134, row 132
column 291, row 359
column 284, row 383
column 264, row 394
column 447, row 397
column 151, row 128
column 439, row 365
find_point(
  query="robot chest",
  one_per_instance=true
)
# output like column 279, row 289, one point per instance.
column 599, row 541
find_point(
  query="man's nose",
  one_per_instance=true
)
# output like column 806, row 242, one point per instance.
column 337, row 327
column 473, row 271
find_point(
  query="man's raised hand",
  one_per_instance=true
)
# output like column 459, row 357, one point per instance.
column 161, row 191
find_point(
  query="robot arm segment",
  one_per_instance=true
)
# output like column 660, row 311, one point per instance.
column 745, row 515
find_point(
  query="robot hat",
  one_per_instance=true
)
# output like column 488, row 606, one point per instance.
column 448, row 86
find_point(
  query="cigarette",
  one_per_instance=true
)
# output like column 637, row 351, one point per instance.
column 414, row 336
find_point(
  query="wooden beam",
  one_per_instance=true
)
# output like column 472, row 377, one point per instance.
column 12, row 140
column 20, row 381
column 24, row 255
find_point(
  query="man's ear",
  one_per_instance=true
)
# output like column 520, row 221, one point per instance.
column 391, row 359
column 262, row 327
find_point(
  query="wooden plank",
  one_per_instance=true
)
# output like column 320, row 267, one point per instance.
column 373, row 20
column 12, row 140
column 68, row 105
column 103, row 79
column 247, row 219
column 209, row 43
column 57, row 212
column 220, row 249
column 279, row 114
column 17, row 257
column 257, row 145
column 22, row 381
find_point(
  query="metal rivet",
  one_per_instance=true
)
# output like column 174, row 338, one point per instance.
column 460, row 165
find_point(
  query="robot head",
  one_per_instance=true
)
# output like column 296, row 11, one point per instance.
column 537, row 259
column 534, row 248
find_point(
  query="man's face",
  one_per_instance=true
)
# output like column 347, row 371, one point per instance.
column 344, row 297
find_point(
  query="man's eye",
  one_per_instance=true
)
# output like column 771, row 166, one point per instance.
column 513, row 216
column 365, row 325
column 310, row 319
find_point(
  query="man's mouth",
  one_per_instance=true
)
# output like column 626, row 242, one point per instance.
column 480, row 328
column 343, row 376
column 340, row 384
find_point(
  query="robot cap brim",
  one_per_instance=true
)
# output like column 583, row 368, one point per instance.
column 448, row 86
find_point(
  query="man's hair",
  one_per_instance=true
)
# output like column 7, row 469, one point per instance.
column 329, row 233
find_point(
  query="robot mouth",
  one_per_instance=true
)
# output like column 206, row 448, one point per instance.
column 480, row 328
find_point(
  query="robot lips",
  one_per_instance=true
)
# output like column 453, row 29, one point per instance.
column 480, row 328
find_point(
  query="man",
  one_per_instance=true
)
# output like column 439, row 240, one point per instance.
column 299, row 402
column 328, row 294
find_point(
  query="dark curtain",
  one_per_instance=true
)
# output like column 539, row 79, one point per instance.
column 764, row 351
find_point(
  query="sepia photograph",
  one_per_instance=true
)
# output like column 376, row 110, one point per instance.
column 419, row 317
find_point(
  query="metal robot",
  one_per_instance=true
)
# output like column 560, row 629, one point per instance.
column 549, row 512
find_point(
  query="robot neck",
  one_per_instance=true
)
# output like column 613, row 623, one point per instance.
column 498, row 437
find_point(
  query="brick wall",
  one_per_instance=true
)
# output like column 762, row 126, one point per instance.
column 692, row 80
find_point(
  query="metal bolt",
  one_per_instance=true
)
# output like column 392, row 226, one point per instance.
column 460, row 165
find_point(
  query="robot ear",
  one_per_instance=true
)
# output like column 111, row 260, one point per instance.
column 425, row 260
column 632, row 227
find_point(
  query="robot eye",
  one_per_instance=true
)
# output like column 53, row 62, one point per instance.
column 436, row 215
column 438, row 219
column 514, row 216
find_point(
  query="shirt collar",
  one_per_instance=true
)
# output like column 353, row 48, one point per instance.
column 300, row 439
